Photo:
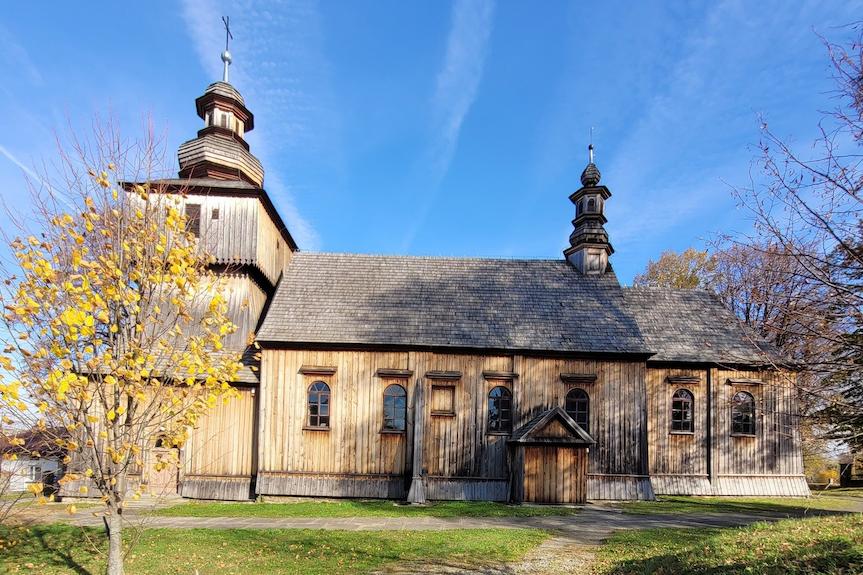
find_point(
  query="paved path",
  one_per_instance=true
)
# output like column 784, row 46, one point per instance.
column 589, row 527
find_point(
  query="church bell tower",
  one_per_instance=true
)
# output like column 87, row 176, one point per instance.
column 589, row 247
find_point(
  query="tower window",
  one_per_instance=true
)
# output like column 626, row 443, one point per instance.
column 591, row 205
column 193, row 219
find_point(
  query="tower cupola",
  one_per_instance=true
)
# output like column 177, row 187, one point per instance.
column 220, row 151
column 589, row 247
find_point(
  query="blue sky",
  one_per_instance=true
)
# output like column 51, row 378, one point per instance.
column 436, row 128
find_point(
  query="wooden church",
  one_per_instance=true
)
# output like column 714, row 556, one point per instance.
column 426, row 378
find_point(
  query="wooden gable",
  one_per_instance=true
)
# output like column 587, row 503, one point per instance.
column 554, row 426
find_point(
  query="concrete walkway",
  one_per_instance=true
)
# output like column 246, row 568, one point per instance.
column 589, row 527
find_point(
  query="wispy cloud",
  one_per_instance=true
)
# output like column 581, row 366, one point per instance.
column 16, row 59
column 456, row 88
column 24, row 168
column 459, row 78
column 278, row 66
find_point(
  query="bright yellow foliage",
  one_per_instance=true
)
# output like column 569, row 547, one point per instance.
column 116, row 326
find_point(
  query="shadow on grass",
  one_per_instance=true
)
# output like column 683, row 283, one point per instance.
column 818, row 505
column 825, row 557
column 50, row 547
column 826, row 545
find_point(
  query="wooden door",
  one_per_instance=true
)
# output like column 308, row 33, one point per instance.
column 164, row 481
column 555, row 474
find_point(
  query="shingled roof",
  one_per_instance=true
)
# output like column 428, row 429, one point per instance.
column 531, row 305
column 690, row 325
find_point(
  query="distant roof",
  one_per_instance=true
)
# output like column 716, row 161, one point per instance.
column 531, row 305
column 35, row 440
column 690, row 325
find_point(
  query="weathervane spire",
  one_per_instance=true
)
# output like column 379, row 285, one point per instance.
column 226, row 55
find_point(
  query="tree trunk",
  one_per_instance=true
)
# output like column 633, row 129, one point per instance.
column 115, row 542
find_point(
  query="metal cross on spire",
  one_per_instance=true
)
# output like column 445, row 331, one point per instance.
column 226, row 55
column 590, row 147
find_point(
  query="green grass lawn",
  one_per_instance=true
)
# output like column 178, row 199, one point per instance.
column 357, row 508
column 823, row 545
column 838, row 500
column 59, row 549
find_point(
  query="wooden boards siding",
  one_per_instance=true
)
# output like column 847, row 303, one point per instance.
column 554, row 474
column 351, row 458
column 618, row 417
column 219, row 459
column 677, row 461
column 460, row 459
column 238, row 230
column 771, row 462
column 768, row 463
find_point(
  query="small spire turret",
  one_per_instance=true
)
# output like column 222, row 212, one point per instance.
column 589, row 247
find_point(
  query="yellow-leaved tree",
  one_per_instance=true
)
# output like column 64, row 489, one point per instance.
column 113, row 325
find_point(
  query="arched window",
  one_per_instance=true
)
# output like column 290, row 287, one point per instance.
column 591, row 205
column 395, row 407
column 319, row 405
column 578, row 407
column 743, row 414
column 681, row 411
column 500, row 410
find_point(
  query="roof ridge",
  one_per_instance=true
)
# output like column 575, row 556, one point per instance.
column 427, row 257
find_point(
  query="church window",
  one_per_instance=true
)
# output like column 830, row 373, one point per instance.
column 395, row 408
column 681, row 412
column 743, row 414
column 500, row 410
column 319, row 405
column 193, row 219
column 577, row 406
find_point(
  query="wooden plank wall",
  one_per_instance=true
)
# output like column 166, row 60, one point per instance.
column 460, row 459
column 246, row 300
column 354, row 451
column 618, row 417
column 458, row 448
column 272, row 253
column 244, row 233
column 677, row 462
column 233, row 237
column 219, row 459
column 770, row 463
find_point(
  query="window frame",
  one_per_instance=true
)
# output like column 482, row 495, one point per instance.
column 193, row 219
column 585, row 399
column 387, row 397
column 441, row 388
column 499, row 424
column 327, row 391
column 735, row 405
column 684, row 396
